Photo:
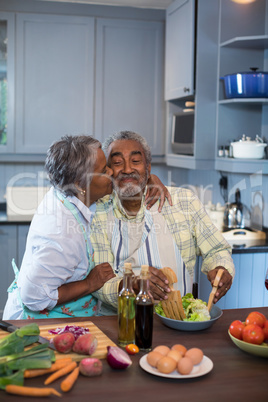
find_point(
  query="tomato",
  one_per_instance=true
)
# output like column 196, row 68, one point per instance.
column 265, row 330
column 236, row 329
column 132, row 349
column 262, row 315
column 253, row 334
column 255, row 318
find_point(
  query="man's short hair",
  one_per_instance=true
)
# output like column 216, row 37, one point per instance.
column 128, row 135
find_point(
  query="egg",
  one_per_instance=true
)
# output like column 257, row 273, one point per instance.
column 185, row 365
column 180, row 348
column 174, row 354
column 195, row 354
column 153, row 357
column 162, row 349
column 166, row 365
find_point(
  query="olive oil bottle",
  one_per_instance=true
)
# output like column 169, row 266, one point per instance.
column 126, row 309
column 144, row 306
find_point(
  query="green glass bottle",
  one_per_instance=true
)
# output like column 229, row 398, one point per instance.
column 126, row 309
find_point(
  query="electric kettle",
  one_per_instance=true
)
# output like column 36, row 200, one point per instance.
column 236, row 215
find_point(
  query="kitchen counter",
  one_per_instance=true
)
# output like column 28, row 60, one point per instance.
column 235, row 376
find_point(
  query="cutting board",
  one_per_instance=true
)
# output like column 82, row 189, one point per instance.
column 103, row 340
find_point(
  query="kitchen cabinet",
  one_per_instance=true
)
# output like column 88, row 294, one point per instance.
column 205, row 92
column 7, row 71
column 243, row 44
column 129, row 80
column 22, row 233
column 248, row 288
column 54, row 79
column 8, row 250
column 12, row 245
column 180, row 49
column 86, row 74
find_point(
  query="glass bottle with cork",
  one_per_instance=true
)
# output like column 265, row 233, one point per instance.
column 144, row 306
column 126, row 309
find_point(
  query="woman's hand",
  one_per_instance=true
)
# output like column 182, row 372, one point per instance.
column 224, row 284
column 156, row 191
column 99, row 275
column 95, row 280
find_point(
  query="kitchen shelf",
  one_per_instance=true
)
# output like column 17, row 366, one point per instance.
column 247, row 42
column 244, row 100
column 243, row 43
column 242, row 165
column 188, row 162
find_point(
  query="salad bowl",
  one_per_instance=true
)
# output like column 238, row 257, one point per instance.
column 215, row 314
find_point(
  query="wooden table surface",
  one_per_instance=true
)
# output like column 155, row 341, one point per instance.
column 236, row 375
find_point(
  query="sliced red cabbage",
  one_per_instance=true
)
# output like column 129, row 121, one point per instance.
column 76, row 330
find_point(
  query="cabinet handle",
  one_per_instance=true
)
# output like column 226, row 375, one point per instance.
column 186, row 89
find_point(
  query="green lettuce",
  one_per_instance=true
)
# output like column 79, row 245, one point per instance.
column 195, row 309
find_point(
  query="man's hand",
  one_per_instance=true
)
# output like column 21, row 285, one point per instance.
column 158, row 284
column 224, row 285
column 98, row 276
column 156, row 191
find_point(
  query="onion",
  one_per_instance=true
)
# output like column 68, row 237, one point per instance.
column 118, row 358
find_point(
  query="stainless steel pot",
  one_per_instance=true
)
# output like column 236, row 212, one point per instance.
column 236, row 215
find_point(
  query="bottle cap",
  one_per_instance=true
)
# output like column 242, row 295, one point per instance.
column 127, row 267
column 144, row 270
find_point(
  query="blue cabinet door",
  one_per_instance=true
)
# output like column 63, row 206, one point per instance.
column 55, row 79
column 248, row 288
column 8, row 250
column 129, row 79
column 180, row 43
column 21, row 241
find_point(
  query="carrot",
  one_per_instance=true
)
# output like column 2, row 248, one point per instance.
column 30, row 391
column 65, row 370
column 54, row 367
column 69, row 381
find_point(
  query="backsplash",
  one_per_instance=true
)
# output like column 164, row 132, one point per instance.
column 253, row 188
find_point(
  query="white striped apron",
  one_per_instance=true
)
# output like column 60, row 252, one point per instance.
column 149, row 242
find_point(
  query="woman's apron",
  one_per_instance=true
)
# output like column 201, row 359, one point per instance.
column 149, row 242
column 84, row 306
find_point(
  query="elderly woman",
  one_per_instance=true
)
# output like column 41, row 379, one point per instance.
column 58, row 274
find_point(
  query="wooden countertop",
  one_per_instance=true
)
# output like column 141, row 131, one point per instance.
column 236, row 375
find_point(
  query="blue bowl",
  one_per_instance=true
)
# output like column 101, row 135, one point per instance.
column 215, row 314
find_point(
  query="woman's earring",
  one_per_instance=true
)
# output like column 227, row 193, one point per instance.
column 83, row 192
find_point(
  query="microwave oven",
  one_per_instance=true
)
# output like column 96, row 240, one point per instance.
column 182, row 139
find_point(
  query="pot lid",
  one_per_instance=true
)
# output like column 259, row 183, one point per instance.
column 252, row 72
column 247, row 141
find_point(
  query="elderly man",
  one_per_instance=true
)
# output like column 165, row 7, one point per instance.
column 124, row 230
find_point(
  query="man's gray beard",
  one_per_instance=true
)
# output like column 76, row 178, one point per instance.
column 129, row 189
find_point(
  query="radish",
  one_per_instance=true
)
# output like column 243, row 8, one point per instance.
column 64, row 342
column 86, row 344
column 90, row 367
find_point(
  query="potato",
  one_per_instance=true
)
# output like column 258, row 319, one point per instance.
column 64, row 342
column 90, row 367
column 86, row 344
